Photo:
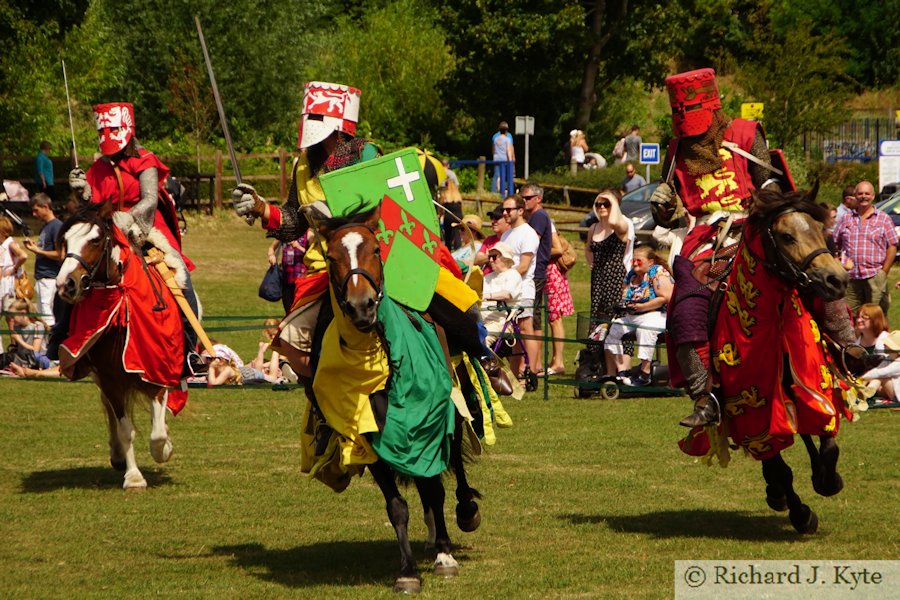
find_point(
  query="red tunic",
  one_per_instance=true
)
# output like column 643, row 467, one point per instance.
column 101, row 176
column 154, row 347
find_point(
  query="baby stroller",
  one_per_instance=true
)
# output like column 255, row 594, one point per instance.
column 509, row 343
column 590, row 371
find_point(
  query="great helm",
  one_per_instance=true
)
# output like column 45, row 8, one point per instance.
column 327, row 107
column 115, row 126
column 693, row 97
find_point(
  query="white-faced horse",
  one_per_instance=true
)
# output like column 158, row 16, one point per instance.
column 125, row 332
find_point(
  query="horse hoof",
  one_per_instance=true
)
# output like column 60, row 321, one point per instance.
column 468, row 517
column 134, row 482
column 407, row 585
column 161, row 450
column 776, row 499
column 828, row 486
column 445, row 565
column 804, row 520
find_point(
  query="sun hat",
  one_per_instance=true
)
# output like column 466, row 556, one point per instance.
column 473, row 223
column 892, row 341
column 503, row 249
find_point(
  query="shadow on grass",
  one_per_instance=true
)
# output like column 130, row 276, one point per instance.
column 88, row 478
column 327, row 563
column 738, row 525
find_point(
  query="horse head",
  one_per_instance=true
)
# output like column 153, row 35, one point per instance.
column 354, row 264
column 793, row 234
column 91, row 255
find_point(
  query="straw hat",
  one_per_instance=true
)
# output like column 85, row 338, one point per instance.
column 503, row 249
column 474, row 224
column 892, row 341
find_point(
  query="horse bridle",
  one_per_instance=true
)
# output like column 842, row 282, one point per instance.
column 782, row 265
column 340, row 288
column 87, row 281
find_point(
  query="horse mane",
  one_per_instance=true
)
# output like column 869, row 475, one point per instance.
column 359, row 214
column 86, row 213
column 768, row 204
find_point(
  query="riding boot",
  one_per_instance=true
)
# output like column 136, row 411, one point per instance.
column 696, row 372
column 193, row 364
column 62, row 313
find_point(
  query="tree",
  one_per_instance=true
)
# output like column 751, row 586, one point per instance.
column 191, row 102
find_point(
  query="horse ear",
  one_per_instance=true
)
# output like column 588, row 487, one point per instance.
column 106, row 210
column 374, row 218
column 811, row 194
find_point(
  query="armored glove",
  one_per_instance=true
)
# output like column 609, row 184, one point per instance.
column 126, row 223
column 247, row 203
column 78, row 183
column 666, row 206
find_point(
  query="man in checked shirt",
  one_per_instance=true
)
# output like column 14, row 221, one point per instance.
column 867, row 237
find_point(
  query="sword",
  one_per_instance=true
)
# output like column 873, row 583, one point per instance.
column 69, row 103
column 215, row 88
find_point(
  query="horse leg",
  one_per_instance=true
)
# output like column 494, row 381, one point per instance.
column 826, row 480
column 780, row 492
column 116, row 455
column 408, row 582
column 431, row 491
column 468, row 516
column 160, row 444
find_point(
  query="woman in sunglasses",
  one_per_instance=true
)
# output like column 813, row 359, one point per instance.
column 609, row 248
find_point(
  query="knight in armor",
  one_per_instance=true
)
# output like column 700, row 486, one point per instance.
column 327, row 141
column 133, row 180
column 716, row 162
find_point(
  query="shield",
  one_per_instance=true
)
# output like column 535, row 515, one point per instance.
column 408, row 231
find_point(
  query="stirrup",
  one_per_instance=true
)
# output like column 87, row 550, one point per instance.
column 708, row 414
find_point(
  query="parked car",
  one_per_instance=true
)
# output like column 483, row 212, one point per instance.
column 891, row 207
column 636, row 206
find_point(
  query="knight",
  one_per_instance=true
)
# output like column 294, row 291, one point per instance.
column 133, row 180
column 714, row 164
column 327, row 141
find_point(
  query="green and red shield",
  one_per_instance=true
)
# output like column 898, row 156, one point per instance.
column 408, row 231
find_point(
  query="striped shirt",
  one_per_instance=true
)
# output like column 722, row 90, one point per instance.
column 865, row 242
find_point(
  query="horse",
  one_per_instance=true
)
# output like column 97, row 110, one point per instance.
column 124, row 332
column 357, row 287
column 775, row 376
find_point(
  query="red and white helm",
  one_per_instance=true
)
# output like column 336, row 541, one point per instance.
column 693, row 96
column 327, row 107
column 115, row 126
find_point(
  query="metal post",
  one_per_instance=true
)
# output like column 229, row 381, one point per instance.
column 526, row 156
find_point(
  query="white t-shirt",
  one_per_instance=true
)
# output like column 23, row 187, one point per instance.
column 523, row 240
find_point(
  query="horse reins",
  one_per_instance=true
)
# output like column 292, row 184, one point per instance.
column 786, row 269
column 87, row 281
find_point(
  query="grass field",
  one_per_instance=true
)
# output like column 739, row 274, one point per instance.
column 583, row 498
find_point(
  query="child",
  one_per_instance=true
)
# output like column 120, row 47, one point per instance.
column 26, row 336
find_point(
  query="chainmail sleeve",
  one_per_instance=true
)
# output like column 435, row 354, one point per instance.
column 293, row 222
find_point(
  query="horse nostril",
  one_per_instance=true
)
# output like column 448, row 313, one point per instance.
column 371, row 303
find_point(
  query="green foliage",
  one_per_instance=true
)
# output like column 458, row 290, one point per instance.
column 807, row 95
column 399, row 59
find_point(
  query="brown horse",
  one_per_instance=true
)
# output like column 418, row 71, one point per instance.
column 125, row 333
column 769, row 356
column 356, row 279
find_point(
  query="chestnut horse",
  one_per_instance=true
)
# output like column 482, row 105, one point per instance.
column 124, row 332
column 356, row 280
column 775, row 375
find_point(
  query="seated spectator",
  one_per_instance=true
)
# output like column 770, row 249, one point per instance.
column 471, row 238
column 580, row 154
column 884, row 379
column 871, row 328
column 27, row 332
column 20, row 371
column 648, row 287
column 503, row 285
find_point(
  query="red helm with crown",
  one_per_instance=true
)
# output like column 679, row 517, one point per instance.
column 693, row 97
column 115, row 126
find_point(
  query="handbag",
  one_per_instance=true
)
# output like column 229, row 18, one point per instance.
column 24, row 287
column 568, row 258
column 270, row 288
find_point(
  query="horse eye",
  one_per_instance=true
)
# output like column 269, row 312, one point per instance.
column 788, row 238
